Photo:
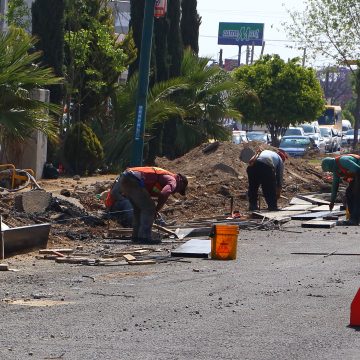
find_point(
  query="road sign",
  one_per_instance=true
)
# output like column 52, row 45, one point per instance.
column 241, row 34
column 160, row 8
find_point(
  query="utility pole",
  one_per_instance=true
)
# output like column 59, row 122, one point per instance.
column 239, row 56
column 247, row 54
column 252, row 53
column 144, row 69
column 304, row 58
column 221, row 58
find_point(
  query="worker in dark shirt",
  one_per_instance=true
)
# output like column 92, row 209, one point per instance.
column 347, row 168
column 266, row 168
column 140, row 185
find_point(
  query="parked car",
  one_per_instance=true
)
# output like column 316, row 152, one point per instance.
column 348, row 137
column 297, row 146
column 313, row 131
column 259, row 136
column 294, row 131
column 332, row 139
column 346, row 125
column 239, row 137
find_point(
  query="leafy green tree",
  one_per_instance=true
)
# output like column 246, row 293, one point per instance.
column 117, row 138
column 175, row 47
column 18, row 14
column 161, row 30
column 190, row 24
column 331, row 29
column 82, row 149
column 286, row 92
column 94, row 58
column 136, row 24
column 48, row 26
column 205, row 101
column 20, row 72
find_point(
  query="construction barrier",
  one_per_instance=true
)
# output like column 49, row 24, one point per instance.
column 355, row 310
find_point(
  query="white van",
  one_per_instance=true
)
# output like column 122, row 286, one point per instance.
column 346, row 125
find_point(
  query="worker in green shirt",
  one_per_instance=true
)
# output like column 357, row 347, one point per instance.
column 347, row 168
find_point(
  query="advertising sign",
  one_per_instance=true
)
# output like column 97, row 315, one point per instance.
column 241, row 34
column 160, row 8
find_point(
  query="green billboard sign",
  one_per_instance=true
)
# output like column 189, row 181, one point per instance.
column 241, row 34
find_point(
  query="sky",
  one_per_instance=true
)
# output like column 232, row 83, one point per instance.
column 270, row 12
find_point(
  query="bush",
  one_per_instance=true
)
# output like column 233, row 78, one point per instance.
column 83, row 151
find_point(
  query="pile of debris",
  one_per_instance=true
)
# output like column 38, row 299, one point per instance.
column 217, row 185
column 218, row 178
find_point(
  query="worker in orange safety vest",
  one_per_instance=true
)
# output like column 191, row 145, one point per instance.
column 140, row 185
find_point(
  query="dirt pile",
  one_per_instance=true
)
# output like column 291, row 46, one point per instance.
column 217, row 175
column 217, row 178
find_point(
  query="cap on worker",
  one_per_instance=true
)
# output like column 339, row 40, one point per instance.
column 282, row 154
column 328, row 164
column 182, row 183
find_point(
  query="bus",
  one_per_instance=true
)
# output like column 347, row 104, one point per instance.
column 331, row 117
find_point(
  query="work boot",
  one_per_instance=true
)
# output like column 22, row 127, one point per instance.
column 273, row 208
column 346, row 223
column 146, row 241
column 253, row 207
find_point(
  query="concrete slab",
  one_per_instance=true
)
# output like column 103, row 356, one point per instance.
column 25, row 238
column 297, row 201
column 326, row 208
column 322, row 224
column 316, row 215
column 193, row 248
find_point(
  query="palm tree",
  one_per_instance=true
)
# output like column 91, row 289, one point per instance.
column 206, row 103
column 20, row 115
column 117, row 137
column 186, row 111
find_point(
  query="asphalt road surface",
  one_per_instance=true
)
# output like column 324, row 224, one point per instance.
column 267, row 304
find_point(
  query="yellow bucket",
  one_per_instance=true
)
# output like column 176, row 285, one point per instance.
column 224, row 242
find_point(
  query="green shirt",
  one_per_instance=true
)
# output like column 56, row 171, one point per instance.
column 347, row 162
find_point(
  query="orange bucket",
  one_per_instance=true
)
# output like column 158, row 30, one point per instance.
column 224, row 242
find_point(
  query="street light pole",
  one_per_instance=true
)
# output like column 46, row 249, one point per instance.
column 144, row 69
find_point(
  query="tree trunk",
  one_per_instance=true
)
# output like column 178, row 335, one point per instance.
column 357, row 110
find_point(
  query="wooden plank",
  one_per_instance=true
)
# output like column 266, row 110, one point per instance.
column 301, row 207
column 129, row 257
column 193, row 248
column 297, row 201
column 316, row 215
column 165, row 230
column 142, row 262
column 4, row 267
column 276, row 215
column 299, row 177
column 72, row 260
column 59, row 250
column 322, row 224
column 313, row 199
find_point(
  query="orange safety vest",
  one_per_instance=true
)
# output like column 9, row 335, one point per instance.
column 345, row 173
column 153, row 189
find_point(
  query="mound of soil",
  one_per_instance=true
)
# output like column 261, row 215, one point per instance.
column 216, row 175
column 217, row 179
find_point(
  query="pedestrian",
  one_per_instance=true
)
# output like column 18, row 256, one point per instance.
column 346, row 168
column 266, row 168
column 140, row 185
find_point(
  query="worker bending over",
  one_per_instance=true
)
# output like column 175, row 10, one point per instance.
column 140, row 185
column 266, row 168
column 347, row 168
